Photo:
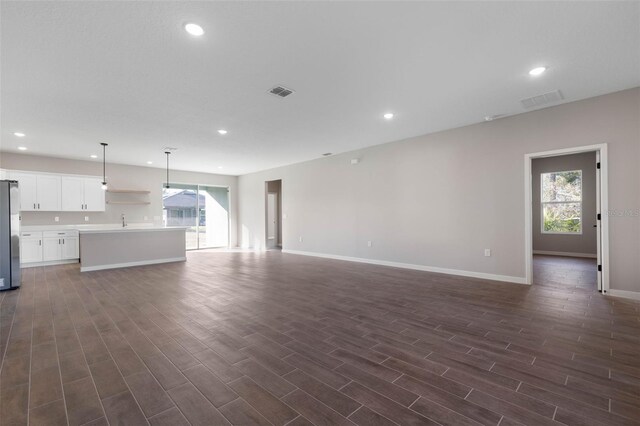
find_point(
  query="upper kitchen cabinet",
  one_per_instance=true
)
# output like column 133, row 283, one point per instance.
column 38, row 192
column 82, row 194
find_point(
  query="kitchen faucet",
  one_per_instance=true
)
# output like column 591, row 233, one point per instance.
column 124, row 223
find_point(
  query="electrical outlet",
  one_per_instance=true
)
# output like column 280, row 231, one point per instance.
column 86, row 218
column 487, row 252
column 369, row 243
column 300, row 239
column 56, row 219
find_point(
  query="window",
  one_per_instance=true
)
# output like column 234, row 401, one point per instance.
column 561, row 202
column 203, row 209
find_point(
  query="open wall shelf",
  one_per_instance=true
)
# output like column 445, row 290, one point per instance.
column 129, row 202
column 128, row 191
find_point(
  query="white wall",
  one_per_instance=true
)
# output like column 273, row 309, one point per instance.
column 439, row 200
column 586, row 242
column 118, row 176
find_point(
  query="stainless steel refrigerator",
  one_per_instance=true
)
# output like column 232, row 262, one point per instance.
column 9, row 235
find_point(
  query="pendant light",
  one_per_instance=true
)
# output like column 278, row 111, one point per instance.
column 104, row 166
column 167, row 184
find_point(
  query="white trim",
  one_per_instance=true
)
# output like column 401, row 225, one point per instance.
column 471, row 274
column 604, row 206
column 48, row 263
column 634, row 295
column 567, row 254
column 129, row 264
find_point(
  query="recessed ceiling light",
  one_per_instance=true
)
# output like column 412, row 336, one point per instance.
column 220, row 167
column 194, row 29
column 22, row 148
column 537, row 71
column 149, row 162
column 388, row 116
column 222, row 131
column 93, row 156
column 19, row 134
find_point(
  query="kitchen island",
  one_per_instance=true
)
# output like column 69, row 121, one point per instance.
column 121, row 247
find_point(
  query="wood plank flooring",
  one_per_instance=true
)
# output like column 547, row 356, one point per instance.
column 246, row 338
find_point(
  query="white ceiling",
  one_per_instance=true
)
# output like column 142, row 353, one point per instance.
column 78, row 73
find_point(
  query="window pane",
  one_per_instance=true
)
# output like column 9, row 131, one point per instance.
column 562, row 186
column 562, row 217
column 179, row 205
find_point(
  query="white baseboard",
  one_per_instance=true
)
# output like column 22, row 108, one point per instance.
column 130, row 264
column 49, row 263
column 482, row 275
column 567, row 254
column 635, row 295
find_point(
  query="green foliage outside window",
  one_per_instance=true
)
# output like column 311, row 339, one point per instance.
column 561, row 197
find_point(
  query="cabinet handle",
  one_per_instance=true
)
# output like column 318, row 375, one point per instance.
column 63, row 241
column 39, row 242
column 34, row 206
column 38, row 206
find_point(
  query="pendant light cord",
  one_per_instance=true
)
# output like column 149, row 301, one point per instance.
column 104, row 162
column 167, row 152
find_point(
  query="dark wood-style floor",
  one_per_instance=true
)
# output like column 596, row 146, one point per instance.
column 272, row 338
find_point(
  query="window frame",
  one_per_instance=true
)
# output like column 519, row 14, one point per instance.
column 543, row 203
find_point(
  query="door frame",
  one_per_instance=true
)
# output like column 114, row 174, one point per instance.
column 277, row 214
column 603, row 208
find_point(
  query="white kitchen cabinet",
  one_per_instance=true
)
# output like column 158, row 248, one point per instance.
column 31, row 247
column 48, row 189
column 38, row 192
column 3, row 174
column 94, row 195
column 28, row 184
column 70, row 248
column 51, row 249
column 60, row 245
column 72, row 193
column 82, row 194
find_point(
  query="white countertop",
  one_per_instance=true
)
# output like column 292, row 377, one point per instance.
column 111, row 227
column 132, row 228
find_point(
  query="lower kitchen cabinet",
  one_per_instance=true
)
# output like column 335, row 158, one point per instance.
column 31, row 247
column 49, row 247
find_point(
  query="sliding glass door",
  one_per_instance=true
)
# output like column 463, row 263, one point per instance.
column 203, row 209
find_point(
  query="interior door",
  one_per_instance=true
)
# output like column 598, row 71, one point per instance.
column 272, row 219
column 598, row 222
column 48, row 193
column 94, row 195
column 72, row 194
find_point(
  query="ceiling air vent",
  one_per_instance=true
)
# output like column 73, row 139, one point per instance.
column 543, row 99
column 281, row 91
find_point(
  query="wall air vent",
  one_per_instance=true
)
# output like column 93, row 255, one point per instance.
column 543, row 99
column 281, row 91
column 169, row 148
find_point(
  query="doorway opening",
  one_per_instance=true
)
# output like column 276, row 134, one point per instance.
column 273, row 214
column 566, row 230
column 204, row 209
